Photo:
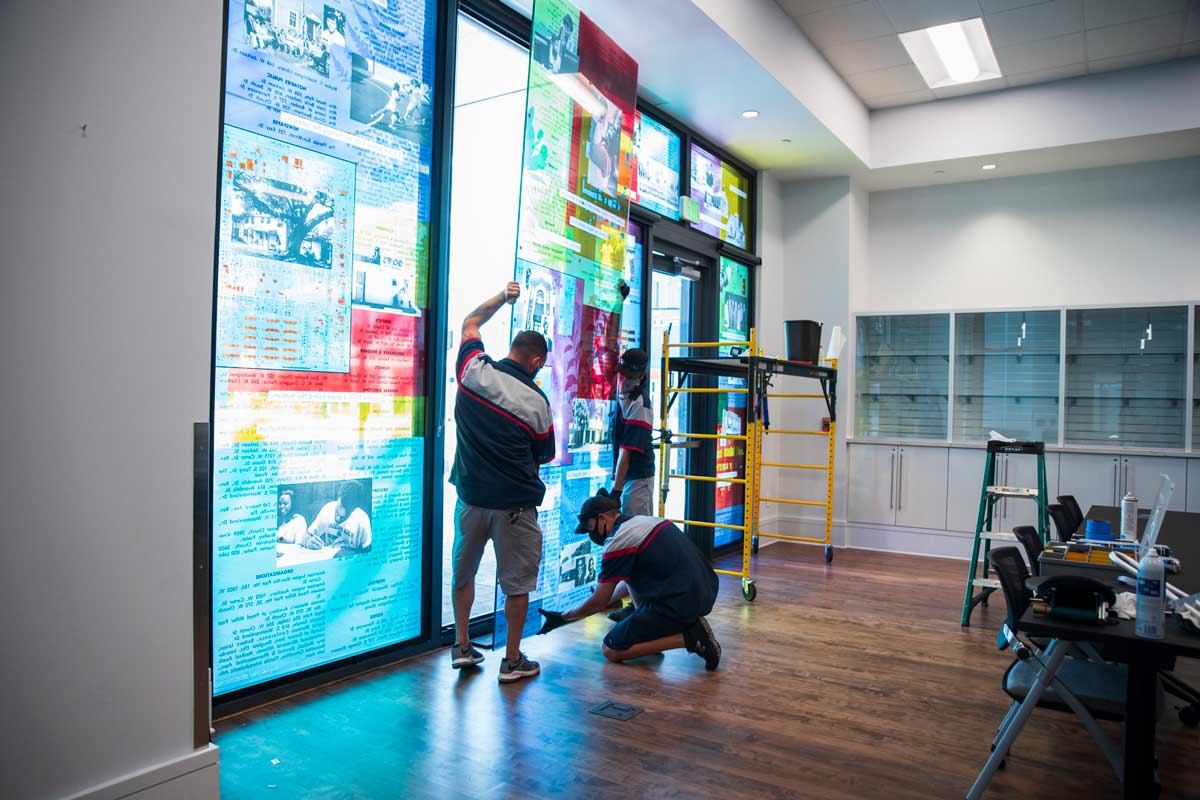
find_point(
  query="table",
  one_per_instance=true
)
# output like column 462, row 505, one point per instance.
column 1180, row 531
column 1145, row 657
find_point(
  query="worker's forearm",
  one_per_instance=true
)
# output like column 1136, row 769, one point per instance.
column 486, row 310
column 593, row 605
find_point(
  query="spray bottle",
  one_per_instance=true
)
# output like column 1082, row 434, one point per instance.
column 1129, row 505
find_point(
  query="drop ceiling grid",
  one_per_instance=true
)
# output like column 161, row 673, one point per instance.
column 1036, row 41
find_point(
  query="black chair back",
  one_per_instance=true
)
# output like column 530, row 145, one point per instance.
column 1072, row 506
column 1010, row 570
column 1063, row 523
column 1027, row 535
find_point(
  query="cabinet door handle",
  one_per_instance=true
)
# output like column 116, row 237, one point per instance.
column 1124, row 481
column 900, row 483
column 892, row 482
column 1116, row 482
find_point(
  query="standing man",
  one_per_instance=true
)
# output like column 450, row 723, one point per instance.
column 505, row 431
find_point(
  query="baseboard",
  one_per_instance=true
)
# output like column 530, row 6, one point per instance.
column 884, row 538
column 190, row 777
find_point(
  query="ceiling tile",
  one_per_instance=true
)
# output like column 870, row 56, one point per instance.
column 903, row 99
column 1138, row 59
column 799, row 8
column 911, row 15
column 1102, row 13
column 1047, row 75
column 1191, row 29
column 881, row 82
column 1135, row 37
column 1056, row 18
column 1041, row 55
column 996, row 6
column 867, row 55
column 846, row 24
column 975, row 87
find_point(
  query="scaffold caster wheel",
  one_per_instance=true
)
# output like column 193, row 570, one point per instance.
column 749, row 590
column 828, row 554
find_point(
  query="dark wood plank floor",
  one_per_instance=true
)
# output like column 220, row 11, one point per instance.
column 848, row 681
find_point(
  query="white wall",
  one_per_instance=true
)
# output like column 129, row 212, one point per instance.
column 1126, row 234
column 1095, row 108
column 105, row 324
column 807, row 274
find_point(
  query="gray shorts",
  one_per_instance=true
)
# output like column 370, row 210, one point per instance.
column 637, row 498
column 516, row 536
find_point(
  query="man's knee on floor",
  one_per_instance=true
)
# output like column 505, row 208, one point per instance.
column 615, row 656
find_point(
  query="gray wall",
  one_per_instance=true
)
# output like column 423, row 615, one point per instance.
column 105, row 323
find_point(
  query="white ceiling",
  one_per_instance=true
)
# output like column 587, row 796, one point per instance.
column 1035, row 41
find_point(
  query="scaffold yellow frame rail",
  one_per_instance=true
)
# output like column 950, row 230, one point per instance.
column 757, row 372
column 830, row 437
column 749, row 590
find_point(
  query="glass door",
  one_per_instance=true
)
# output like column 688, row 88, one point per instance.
column 671, row 311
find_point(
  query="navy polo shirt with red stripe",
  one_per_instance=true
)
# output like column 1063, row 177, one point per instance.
column 633, row 423
column 661, row 565
column 505, row 430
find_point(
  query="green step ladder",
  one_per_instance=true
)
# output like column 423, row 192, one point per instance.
column 990, row 494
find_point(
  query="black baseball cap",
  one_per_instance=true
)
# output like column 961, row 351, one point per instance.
column 634, row 359
column 594, row 507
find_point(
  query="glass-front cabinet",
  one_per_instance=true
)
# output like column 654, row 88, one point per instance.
column 1006, row 366
column 902, row 376
column 1126, row 377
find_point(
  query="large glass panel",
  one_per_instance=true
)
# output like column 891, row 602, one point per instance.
column 722, row 192
column 1006, row 366
column 319, row 385
column 1126, row 375
column 489, row 129
column 671, row 311
column 902, row 376
column 657, row 150
column 733, row 310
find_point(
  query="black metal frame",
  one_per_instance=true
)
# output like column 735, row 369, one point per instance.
column 434, row 631
column 431, row 548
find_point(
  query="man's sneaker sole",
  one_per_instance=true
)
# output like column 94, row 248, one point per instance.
column 712, row 648
column 518, row 674
column 466, row 661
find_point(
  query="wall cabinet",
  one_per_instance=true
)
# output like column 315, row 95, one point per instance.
column 898, row 485
column 1097, row 479
column 1193, row 484
column 965, row 481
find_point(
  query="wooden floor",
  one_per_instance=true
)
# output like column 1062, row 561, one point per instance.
column 848, row 681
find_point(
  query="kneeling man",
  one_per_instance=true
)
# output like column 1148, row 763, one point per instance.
column 671, row 583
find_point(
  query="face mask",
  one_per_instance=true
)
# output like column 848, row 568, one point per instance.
column 596, row 536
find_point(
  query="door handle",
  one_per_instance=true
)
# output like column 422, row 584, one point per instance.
column 900, row 483
column 892, row 482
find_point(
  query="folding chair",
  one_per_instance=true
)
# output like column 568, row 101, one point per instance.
column 1048, row 679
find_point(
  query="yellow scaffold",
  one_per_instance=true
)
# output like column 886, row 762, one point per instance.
column 756, row 373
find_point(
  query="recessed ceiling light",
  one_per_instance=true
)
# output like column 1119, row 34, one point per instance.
column 948, row 55
column 750, row 113
column 989, row 166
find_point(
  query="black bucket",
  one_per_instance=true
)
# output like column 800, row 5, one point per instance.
column 803, row 340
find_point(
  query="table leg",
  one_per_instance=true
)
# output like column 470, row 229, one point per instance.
column 1140, row 722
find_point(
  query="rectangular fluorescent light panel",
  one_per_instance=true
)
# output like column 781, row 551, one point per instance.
column 953, row 54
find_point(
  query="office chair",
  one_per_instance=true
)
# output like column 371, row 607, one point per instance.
column 1047, row 678
column 1027, row 535
column 1072, row 506
column 1063, row 523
